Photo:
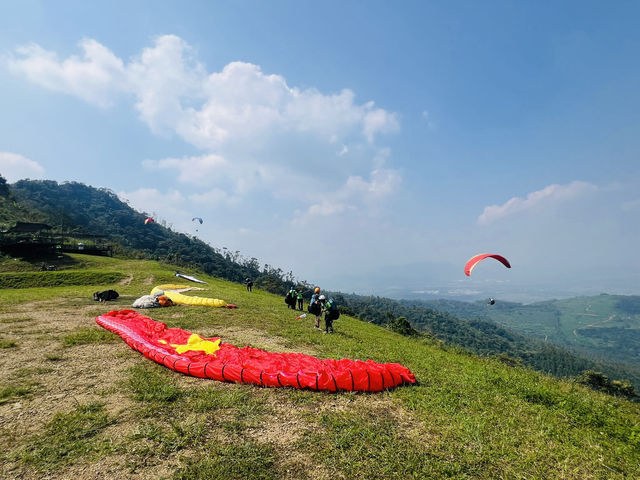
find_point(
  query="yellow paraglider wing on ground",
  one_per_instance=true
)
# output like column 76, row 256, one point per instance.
column 179, row 298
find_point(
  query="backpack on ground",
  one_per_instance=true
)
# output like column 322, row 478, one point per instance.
column 105, row 295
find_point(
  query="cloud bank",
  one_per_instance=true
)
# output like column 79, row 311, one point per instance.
column 255, row 131
column 551, row 195
column 14, row 167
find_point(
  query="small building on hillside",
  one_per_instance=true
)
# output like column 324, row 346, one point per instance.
column 32, row 239
column 28, row 239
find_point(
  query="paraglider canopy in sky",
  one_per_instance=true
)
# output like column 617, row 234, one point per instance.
column 198, row 221
column 471, row 264
column 149, row 220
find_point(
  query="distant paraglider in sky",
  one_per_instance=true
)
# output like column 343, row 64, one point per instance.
column 198, row 220
column 471, row 264
column 149, row 220
column 492, row 301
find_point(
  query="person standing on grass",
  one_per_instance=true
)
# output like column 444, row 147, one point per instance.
column 300, row 301
column 315, row 306
column 290, row 299
column 331, row 313
column 249, row 283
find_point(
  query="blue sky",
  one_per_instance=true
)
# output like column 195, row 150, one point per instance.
column 368, row 146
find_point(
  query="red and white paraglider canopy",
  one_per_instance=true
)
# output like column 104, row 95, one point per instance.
column 471, row 264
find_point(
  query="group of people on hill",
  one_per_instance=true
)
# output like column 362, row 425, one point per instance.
column 294, row 299
column 318, row 304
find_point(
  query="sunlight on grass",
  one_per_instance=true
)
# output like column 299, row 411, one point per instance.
column 69, row 437
column 88, row 335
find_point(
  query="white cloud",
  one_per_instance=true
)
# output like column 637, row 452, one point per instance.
column 212, row 198
column 383, row 181
column 357, row 194
column 14, row 167
column 255, row 131
column 174, row 93
column 550, row 195
column 379, row 121
column 197, row 170
column 292, row 152
column 152, row 201
column 95, row 77
column 427, row 117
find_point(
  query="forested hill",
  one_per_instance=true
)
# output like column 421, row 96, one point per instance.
column 78, row 208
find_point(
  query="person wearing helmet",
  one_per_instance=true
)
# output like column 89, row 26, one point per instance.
column 330, row 310
column 315, row 307
column 317, row 290
column 249, row 283
column 299, row 298
column 290, row 299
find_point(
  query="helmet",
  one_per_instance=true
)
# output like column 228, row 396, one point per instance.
column 317, row 289
column 321, row 297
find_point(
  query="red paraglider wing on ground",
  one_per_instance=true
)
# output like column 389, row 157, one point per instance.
column 478, row 258
column 193, row 355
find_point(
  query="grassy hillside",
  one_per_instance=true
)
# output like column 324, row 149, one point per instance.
column 603, row 325
column 77, row 402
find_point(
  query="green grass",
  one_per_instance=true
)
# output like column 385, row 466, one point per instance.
column 246, row 460
column 150, row 383
column 57, row 279
column 368, row 444
column 469, row 417
column 15, row 320
column 68, row 437
column 7, row 343
column 13, row 391
column 54, row 357
column 88, row 335
column 171, row 436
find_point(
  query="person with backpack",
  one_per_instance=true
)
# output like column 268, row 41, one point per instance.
column 331, row 313
column 300, row 301
column 249, row 283
column 290, row 299
column 315, row 306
